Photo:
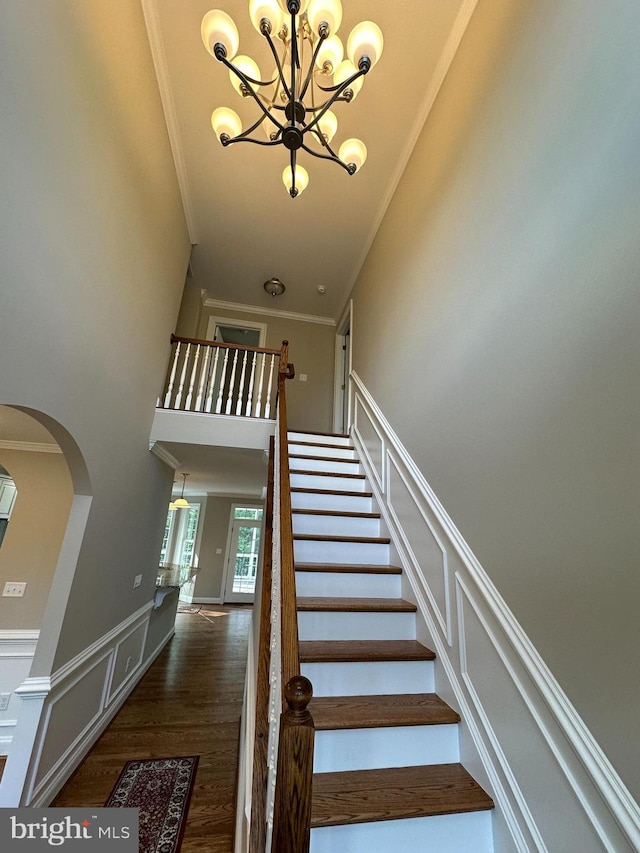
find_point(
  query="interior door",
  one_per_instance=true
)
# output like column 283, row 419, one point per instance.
column 243, row 554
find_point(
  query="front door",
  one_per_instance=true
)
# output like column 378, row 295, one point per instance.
column 243, row 554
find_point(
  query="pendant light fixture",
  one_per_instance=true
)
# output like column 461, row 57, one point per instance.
column 310, row 76
column 182, row 502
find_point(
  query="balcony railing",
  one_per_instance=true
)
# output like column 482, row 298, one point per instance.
column 221, row 379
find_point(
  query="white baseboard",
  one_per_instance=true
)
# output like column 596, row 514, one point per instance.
column 571, row 791
column 206, row 601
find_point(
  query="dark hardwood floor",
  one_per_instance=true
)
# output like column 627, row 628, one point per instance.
column 188, row 703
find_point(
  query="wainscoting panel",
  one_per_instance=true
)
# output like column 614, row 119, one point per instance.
column 371, row 442
column 79, row 701
column 554, row 788
column 16, row 656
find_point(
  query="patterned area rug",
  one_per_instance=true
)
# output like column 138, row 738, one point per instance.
column 161, row 788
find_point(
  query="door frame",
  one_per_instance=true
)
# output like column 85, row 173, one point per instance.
column 214, row 321
column 343, row 358
column 250, row 503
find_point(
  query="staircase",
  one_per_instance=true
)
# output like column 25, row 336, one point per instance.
column 386, row 762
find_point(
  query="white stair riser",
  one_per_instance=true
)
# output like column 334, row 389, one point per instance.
column 335, row 525
column 396, row 746
column 340, row 466
column 338, row 484
column 322, row 625
column 470, row 832
column 317, row 551
column 342, row 503
column 318, row 439
column 334, row 452
column 373, row 678
column 347, row 585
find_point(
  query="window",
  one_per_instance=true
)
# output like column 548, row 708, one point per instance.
column 179, row 540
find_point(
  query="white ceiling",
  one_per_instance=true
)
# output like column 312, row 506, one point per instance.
column 219, row 470
column 245, row 226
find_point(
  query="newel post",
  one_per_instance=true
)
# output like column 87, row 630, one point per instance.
column 292, row 808
column 285, row 369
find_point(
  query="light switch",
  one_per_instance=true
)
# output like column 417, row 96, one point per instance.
column 137, row 581
column 218, row 550
column 303, row 377
column 13, row 589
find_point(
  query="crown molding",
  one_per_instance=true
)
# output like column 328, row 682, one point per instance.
column 32, row 446
column 162, row 453
column 269, row 312
column 440, row 72
column 154, row 31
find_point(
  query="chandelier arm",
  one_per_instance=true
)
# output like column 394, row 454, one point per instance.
column 346, row 83
column 293, row 191
column 333, row 157
column 278, row 63
column 253, row 127
column 245, row 80
column 294, row 62
column 320, row 111
column 305, row 85
column 243, row 138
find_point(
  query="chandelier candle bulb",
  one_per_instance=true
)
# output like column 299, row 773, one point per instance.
column 328, row 125
column 365, row 41
column 225, row 123
column 302, row 180
column 353, row 151
column 269, row 10
column 330, row 55
column 327, row 12
column 345, row 70
column 219, row 28
column 248, row 68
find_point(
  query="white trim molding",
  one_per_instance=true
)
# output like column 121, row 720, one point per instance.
column 268, row 312
column 162, row 453
column 513, row 709
column 30, row 446
column 17, row 649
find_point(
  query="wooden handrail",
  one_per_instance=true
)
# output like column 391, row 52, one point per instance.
column 289, row 618
column 258, row 827
column 292, row 806
column 176, row 339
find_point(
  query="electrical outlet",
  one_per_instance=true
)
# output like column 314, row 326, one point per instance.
column 4, row 701
column 14, row 589
column 137, row 581
column 218, row 550
column 303, row 377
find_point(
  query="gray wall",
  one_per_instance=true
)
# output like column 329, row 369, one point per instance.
column 311, row 350
column 31, row 545
column 94, row 257
column 506, row 352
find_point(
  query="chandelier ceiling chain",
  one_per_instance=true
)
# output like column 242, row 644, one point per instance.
column 295, row 102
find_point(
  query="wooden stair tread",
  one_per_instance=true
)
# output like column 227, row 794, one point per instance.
column 335, row 513
column 323, row 458
column 367, row 712
column 311, row 432
column 331, row 492
column 320, row 537
column 355, row 605
column 318, row 444
column 359, row 796
column 348, row 568
column 326, row 474
column 329, row 651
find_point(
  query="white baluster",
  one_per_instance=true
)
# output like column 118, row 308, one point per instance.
column 241, row 388
column 182, row 378
column 259, row 399
column 194, row 371
column 212, row 379
column 250, row 394
column 233, row 379
column 222, row 378
column 172, row 378
column 267, row 405
column 203, row 376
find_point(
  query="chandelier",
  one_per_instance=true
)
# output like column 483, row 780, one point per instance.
column 309, row 77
